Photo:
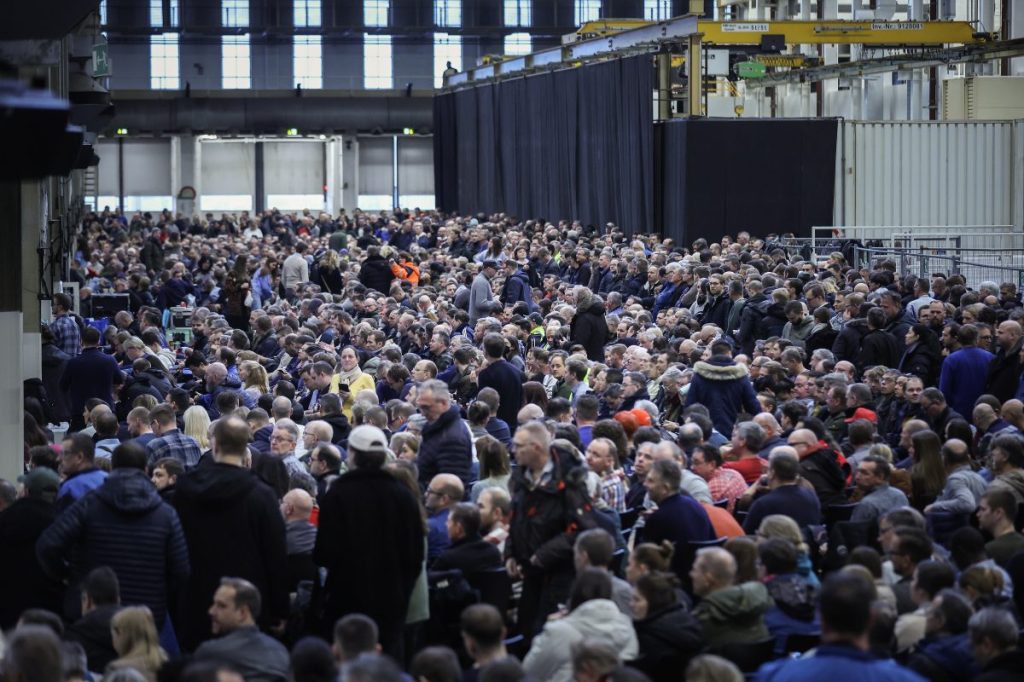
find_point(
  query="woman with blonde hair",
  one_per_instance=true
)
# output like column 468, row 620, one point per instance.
column 254, row 379
column 197, row 425
column 136, row 642
column 784, row 527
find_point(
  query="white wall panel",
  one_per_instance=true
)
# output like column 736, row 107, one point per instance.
column 107, row 151
column 930, row 173
column 227, row 168
column 416, row 165
column 376, row 165
column 147, row 167
column 293, row 168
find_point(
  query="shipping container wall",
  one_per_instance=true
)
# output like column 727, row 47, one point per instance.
column 930, row 173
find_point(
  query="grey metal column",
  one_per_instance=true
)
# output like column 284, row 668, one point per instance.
column 260, row 198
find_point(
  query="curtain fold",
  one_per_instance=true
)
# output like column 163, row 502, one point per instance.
column 574, row 144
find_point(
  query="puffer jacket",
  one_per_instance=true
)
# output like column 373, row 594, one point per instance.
column 123, row 524
column 446, row 448
column 668, row 639
column 735, row 614
column 550, row 656
column 794, row 612
column 723, row 387
column 590, row 329
column 945, row 659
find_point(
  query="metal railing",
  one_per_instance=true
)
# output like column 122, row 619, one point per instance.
column 975, row 265
column 909, row 237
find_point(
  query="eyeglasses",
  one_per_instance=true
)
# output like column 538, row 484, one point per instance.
column 434, row 492
column 284, row 438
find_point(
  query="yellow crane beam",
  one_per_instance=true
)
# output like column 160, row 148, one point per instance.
column 834, row 32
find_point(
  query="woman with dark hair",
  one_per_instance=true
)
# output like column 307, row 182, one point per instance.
column 235, row 293
column 495, row 467
column 667, row 634
column 534, row 394
column 922, row 355
column 927, row 474
column 591, row 615
column 961, row 430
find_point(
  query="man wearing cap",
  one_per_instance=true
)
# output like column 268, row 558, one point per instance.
column 481, row 298
column 23, row 585
column 372, row 542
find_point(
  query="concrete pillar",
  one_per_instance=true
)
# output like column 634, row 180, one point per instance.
column 332, row 174
column 349, row 173
column 11, row 327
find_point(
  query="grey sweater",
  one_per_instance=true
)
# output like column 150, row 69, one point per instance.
column 480, row 299
column 256, row 656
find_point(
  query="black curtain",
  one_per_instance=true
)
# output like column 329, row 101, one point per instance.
column 720, row 176
column 571, row 144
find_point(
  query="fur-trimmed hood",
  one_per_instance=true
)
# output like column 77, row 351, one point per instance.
column 720, row 368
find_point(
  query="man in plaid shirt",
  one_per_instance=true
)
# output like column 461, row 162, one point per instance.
column 170, row 442
column 725, row 484
column 602, row 456
column 66, row 335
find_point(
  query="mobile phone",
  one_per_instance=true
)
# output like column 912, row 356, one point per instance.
column 343, row 387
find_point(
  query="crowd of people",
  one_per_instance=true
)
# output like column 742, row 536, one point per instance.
column 382, row 446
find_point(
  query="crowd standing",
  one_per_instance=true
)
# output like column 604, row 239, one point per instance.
column 375, row 445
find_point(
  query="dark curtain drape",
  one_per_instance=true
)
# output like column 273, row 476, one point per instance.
column 571, row 144
column 720, row 176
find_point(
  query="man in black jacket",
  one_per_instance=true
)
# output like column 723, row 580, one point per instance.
column 233, row 527
column 375, row 271
column 101, row 599
column 550, row 507
column 1004, row 372
column 123, row 524
column 371, row 540
column 468, row 552
column 503, row 377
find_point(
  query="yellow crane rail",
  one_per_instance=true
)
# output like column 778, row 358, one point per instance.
column 834, row 32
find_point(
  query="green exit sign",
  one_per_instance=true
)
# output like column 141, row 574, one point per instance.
column 750, row 70
column 100, row 61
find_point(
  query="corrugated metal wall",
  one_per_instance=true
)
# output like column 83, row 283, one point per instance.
column 931, row 173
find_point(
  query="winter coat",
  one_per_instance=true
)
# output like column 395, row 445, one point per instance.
column 470, row 555
column 590, row 329
column 679, row 519
column 962, row 379
column 920, row 360
column 123, row 524
column 361, row 508
column 1003, row 668
column 92, row 631
column 546, row 519
column 667, row 641
column 821, row 470
column 724, row 388
column 750, row 321
column 516, row 289
column 667, row 298
column 77, row 485
column 601, row 280
column 798, row 333
column 735, row 614
column 716, row 311
column 152, row 255
column 23, row 584
column 233, row 526
column 847, row 345
column 876, row 348
column 1004, row 372
column 945, row 659
column 446, row 448
column 822, row 336
column 773, row 322
column 794, row 612
column 53, row 362
column 90, row 375
column 133, row 388
column 375, row 273
column 550, row 655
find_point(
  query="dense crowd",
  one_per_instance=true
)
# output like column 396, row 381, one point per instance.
column 367, row 447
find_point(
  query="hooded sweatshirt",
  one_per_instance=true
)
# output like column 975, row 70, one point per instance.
column 795, row 607
column 735, row 614
column 550, row 656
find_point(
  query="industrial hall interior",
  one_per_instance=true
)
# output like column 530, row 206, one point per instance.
column 512, row 340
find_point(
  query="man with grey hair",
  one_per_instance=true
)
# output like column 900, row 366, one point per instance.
column 668, row 399
column 994, row 637
column 689, row 482
column 781, row 492
column 447, row 446
column 283, row 441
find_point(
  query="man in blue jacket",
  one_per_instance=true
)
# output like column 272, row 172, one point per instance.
column 123, row 524
column 93, row 374
column 963, row 375
column 843, row 656
column 447, row 447
column 723, row 387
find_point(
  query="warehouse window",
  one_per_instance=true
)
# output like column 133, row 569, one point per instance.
column 447, row 48
column 296, row 202
column 375, row 12
column 518, row 44
column 657, row 10
column 163, row 62
column 448, row 13
column 308, row 62
column 518, row 12
column 236, row 70
column 308, row 13
column 587, row 10
column 225, row 202
column 103, row 13
column 235, row 13
column 377, row 62
column 156, row 13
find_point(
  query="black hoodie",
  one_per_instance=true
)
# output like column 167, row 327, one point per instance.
column 23, row 584
column 233, row 526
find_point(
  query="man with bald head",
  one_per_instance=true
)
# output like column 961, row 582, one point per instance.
column 217, row 382
column 964, row 488
column 990, row 425
column 444, row 492
column 818, row 466
column 1004, row 371
column 1013, row 412
column 300, row 536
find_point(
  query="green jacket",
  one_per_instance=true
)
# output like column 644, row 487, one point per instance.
column 735, row 614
